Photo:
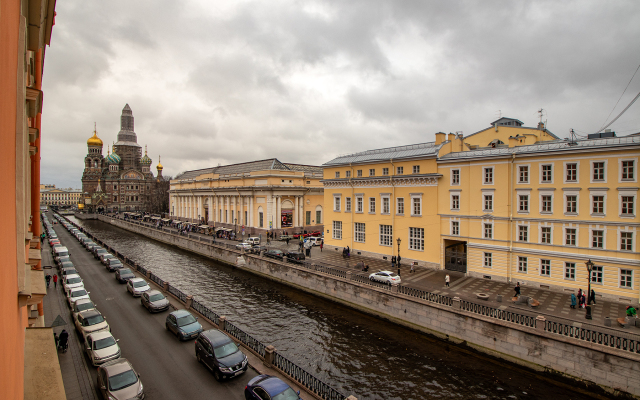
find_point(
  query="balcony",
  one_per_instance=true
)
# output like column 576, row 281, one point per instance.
column 42, row 375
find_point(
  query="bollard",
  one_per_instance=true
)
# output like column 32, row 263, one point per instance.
column 349, row 275
column 268, row 355
column 540, row 323
column 189, row 301
column 222, row 323
column 456, row 303
column 499, row 298
column 165, row 285
column 148, row 274
column 607, row 321
column 394, row 288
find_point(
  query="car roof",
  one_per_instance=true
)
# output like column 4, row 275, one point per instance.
column 137, row 280
column 72, row 276
column 116, row 366
column 76, row 289
column 82, row 301
column 386, row 272
column 100, row 335
column 180, row 313
column 153, row 291
column 61, row 248
column 216, row 337
column 89, row 313
column 273, row 385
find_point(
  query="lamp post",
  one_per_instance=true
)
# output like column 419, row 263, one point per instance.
column 589, row 269
column 235, row 222
column 398, row 259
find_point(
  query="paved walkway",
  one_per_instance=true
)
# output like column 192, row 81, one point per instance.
column 75, row 371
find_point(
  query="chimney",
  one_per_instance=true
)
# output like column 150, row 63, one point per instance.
column 513, row 141
column 451, row 137
column 541, row 125
column 440, row 137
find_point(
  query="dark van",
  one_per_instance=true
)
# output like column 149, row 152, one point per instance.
column 295, row 256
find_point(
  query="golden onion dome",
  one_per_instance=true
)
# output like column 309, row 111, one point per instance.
column 94, row 140
column 159, row 167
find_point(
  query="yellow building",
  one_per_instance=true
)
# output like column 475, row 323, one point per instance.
column 50, row 195
column 507, row 203
column 259, row 195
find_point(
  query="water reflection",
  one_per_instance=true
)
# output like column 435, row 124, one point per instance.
column 354, row 352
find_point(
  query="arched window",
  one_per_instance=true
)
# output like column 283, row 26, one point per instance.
column 318, row 215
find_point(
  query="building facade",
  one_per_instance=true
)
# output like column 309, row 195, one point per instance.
column 52, row 196
column 260, row 195
column 121, row 181
column 508, row 203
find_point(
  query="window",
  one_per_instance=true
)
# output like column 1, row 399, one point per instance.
column 115, row 187
column 547, row 173
column 488, row 202
column 336, row 203
column 400, row 205
column 385, row 171
column 372, row 204
column 523, row 233
column 359, row 204
column 372, row 172
column 545, row 267
column 597, row 239
column 347, row 204
column 385, row 205
column 318, row 217
column 570, row 237
column 386, row 235
column 455, row 176
column 545, row 234
column 359, row 173
column 572, row 204
column 337, row 229
column 416, row 206
column 627, row 170
column 261, row 219
column 337, row 175
column 523, row 204
column 488, row 260
column 308, row 217
column 570, row 271
column 626, row 241
column 598, row 171
column 547, row 201
column 455, row 228
column 399, row 170
column 626, row 278
column 572, row 172
column 416, row 169
column 596, row 274
column 359, row 232
column 523, row 174
column 488, row 176
column 455, row 201
column 627, row 205
column 416, row 239
column 598, row 204
column 522, row 264
column 488, row 231
column 347, row 174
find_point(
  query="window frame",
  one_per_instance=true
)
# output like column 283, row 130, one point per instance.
column 592, row 166
column 372, row 172
column 359, row 234
column 455, row 177
column 416, row 239
column 542, row 196
column 597, row 275
column 628, row 240
column 527, row 169
column 385, row 198
column 455, row 201
column 488, row 260
column 487, row 227
column 416, row 169
column 523, row 233
column 544, row 235
column 603, row 211
column 386, row 238
column 454, row 228
column 400, row 170
column 621, row 167
column 622, row 207
column 566, row 171
column 567, row 195
column 567, row 237
column 359, row 203
column 399, row 204
column 385, row 171
column 416, row 197
column 601, row 237
column 545, row 267
column 337, row 202
column 372, row 205
column 337, row 175
column 336, row 232
column 629, row 280
column 488, row 175
column 523, row 265
column 569, row 272
column 347, row 204
column 542, row 173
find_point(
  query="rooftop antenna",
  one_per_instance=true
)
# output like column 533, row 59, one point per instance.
column 499, row 114
column 572, row 141
column 541, row 113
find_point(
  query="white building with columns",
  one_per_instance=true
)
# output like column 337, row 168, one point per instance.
column 259, row 196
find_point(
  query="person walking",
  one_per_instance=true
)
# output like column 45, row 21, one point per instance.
column 573, row 300
column 48, row 279
column 55, row 281
column 321, row 245
column 447, row 279
column 593, row 296
column 517, row 289
column 413, row 269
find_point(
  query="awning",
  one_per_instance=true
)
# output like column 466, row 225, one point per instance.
column 204, row 226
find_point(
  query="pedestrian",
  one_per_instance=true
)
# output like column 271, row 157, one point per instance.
column 447, row 279
column 584, row 300
column 517, row 289
column 48, row 279
column 581, row 301
column 579, row 294
column 413, row 269
column 573, row 300
column 55, row 281
column 631, row 312
column 287, row 240
column 393, row 262
column 321, row 245
column 593, row 296
column 268, row 240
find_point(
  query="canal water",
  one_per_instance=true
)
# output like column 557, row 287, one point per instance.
column 353, row 352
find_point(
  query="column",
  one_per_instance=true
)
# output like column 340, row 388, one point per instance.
column 279, row 211
column 215, row 209
column 225, row 212
column 234, row 207
column 251, row 211
column 296, row 211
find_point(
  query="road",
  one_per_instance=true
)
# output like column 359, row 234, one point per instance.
column 168, row 368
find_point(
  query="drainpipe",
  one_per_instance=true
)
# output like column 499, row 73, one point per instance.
column 391, row 206
column 511, row 186
column 352, row 204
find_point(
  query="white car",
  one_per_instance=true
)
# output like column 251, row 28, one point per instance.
column 76, row 294
column 387, row 277
column 90, row 322
column 81, row 305
column 72, row 281
column 137, row 286
column 244, row 245
column 104, row 257
column 101, row 347
column 315, row 241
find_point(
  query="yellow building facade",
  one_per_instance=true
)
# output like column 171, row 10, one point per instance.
column 260, row 195
column 50, row 195
column 508, row 203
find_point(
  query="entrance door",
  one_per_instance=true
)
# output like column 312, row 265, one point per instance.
column 455, row 257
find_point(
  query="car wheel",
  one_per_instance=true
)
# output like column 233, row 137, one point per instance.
column 371, row 279
column 198, row 357
column 217, row 374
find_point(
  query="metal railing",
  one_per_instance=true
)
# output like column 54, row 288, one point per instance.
column 177, row 292
column 309, row 381
column 503, row 315
column 155, row 278
column 205, row 312
column 245, row 338
column 367, row 281
column 589, row 334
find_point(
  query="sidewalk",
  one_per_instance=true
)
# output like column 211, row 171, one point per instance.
column 75, row 371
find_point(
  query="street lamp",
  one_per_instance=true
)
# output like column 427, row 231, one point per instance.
column 589, row 268
column 398, row 259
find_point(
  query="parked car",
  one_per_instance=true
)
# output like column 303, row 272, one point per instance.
column 101, row 347
column 118, row 380
column 65, row 259
column 285, row 237
column 76, row 294
column 137, row 286
column 91, row 321
column 315, row 241
column 257, row 249
column 387, row 277
column 60, row 252
column 90, row 246
column 254, row 240
column 294, row 256
column 114, row 264
column 243, row 245
column 106, row 256
column 220, row 354
column 68, row 271
column 124, row 274
column 97, row 252
column 154, row 301
column 72, row 281
column 183, row 324
column 269, row 387
column 81, row 305
column 275, row 253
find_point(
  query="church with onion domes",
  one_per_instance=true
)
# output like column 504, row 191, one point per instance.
column 121, row 181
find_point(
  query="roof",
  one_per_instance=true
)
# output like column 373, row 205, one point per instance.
column 273, row 385
column 216, row 337
column 546, row 147
column 118, row 366
column 399, row 152
column 242, row 168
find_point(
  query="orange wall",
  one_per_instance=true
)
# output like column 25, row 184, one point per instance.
column 14, row 319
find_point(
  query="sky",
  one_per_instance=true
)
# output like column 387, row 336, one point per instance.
column 218, row 82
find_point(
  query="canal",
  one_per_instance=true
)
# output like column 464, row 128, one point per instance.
column 353, row 352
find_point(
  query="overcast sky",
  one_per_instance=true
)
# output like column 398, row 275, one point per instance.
column 214, row 82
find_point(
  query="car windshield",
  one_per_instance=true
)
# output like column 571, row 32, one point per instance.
column 74, row 280
column 69, row 271
column 94, row 319
column 288, row 394
column 125, row 271
column 104, row 343
column 156, row 297
column 225, row 350
column 116, row 262
column 186, row 320
column 393, row 274
column 122, row 380
column 100, row 251
column 78, row 293
column 84, row 306
column 139, row 284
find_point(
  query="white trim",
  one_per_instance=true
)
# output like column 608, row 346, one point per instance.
column 348, row 204
column 635, row 170
column 620, row 276
column 553, row 171
column 493, row 175
column 451, row 221
column 545, row 225
column 564, row 177
column 359, row 197
column 545, row 193
column 523, row 224
column 487, row 222
column 451, row 194
column 383, row 197
column 486, row 192
column 451, row 177
column 628, row 193
column 604, row 236
column 413, row 197
column 528, row 182
column 591, row 169
column 602, row 193
column 564, row 208
column 634, row 239
column 337, row 196
column 564, row 235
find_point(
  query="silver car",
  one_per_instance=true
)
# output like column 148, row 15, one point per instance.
column 154, row 301
column 118, row 380
column 137, row 286
column 81, row 305
column 90, row 322
column 101, row 347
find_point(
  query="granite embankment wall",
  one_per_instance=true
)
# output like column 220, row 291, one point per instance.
column 610, row 359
